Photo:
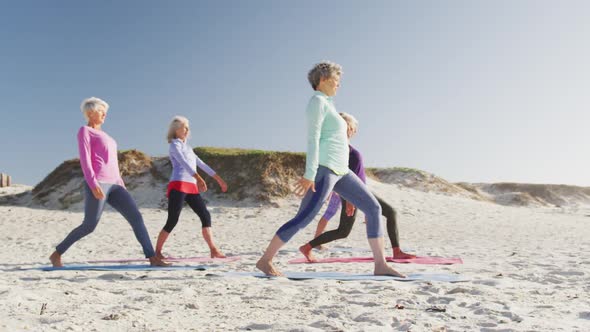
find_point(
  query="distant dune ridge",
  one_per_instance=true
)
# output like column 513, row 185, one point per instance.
column 261, row 176
column 513, row 194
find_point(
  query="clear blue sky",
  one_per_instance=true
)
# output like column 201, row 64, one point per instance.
column 477, row 91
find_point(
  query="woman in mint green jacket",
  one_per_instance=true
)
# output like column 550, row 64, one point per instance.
column 326, row 170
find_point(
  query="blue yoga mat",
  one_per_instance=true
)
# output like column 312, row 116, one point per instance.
column 347, row 276
column 144, row 267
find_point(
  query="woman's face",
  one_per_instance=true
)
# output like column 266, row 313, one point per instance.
column 331, row 85
column 97, row 117
column 182, row 132
column 350, row 131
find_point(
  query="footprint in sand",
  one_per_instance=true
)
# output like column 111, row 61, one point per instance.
column 569, row 273
column 366, row 318
column 440, row 300
column 146, row 299
column 544, row 307
column 349, row 291
column 364, row 304
column 465, row 291
column 489, row 312
column 46, row 320
column 487, row 324
column 486, row 282
column 113, row 276
column 403, row 325
column 254, row 327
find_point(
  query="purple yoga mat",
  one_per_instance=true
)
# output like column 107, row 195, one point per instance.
column 173, row 259
column 417, row 260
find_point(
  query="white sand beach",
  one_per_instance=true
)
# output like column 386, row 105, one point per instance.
column 528, row 268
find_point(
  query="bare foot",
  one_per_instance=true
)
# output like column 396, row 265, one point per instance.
column 403, row 255
column 399, row 254
column 215, row 253
column 386, row 270
column 160, row 256
column 268, row 268
column 55, row 259
column 156, row 261
column 306, row 251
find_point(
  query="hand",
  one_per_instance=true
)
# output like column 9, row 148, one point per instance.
column 349, row 209
column 200, row 183
column 202, row 186
column 97, row 192
column 221, row 183
column 303, row 185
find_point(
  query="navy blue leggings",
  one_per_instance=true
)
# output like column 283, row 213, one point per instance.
column 118, row 197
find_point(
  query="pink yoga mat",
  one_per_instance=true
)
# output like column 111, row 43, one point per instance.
column 173, row 259
column 417, row 260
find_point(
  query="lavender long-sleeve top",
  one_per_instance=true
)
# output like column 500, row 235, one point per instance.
column 98, row 157
column 185, row 162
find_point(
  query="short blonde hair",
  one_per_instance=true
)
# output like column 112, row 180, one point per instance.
column 324, row 69
column 350, row 120
column 93, row 104
column 176, row 123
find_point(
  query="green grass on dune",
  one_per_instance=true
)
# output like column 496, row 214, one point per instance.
column 228, row 152
column 394, row 169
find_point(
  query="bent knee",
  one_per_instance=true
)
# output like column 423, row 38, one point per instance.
column 388, row 211
column 375, row 209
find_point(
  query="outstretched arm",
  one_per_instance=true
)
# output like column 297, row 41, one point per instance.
column 207, row 169
column 220, row 182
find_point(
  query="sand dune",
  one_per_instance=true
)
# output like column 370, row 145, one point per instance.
column 269, row 177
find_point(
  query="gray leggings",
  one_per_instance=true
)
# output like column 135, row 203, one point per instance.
column 349, row 187
column 117, row 197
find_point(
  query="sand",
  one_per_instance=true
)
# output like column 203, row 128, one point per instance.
column 529, row 270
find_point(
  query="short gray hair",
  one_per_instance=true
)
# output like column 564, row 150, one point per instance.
column 177, row 122
column 350, row 120
column 324, row 69
column 93, row 104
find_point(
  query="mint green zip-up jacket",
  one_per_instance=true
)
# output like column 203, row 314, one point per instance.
column 327, row 144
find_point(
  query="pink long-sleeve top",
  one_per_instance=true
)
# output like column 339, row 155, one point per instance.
column 98, row 157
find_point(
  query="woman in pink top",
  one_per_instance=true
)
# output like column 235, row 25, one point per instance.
column 98, row 159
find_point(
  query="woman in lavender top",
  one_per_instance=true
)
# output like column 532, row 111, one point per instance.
column 186, row 185
column 103, row 183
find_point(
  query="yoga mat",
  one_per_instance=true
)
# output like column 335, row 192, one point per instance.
column 347, row 276
column 344, row 249
column 121, row 268
column 196, row 259
column 331, row 249
column 417, row 260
